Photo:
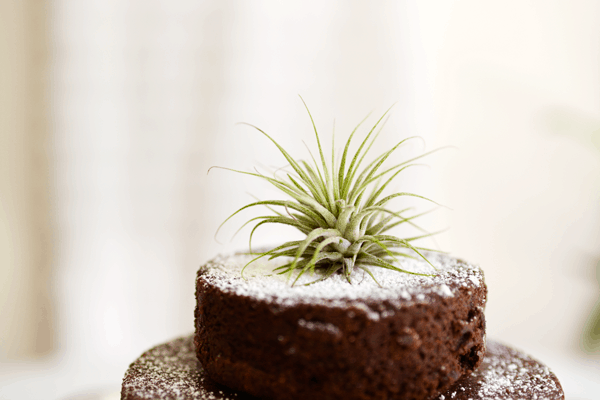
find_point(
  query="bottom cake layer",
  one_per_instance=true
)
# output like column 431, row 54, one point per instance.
column 171, row 371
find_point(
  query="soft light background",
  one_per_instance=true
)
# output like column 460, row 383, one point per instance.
column 111, row 113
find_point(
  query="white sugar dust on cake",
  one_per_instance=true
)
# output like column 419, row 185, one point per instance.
column 259, row 281
column 507, row 373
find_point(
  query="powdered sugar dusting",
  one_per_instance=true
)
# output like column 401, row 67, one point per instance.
column 260, row 282
column 171, row 371
column 320, row 326
column 507, row 374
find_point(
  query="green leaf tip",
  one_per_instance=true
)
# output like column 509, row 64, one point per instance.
column 336, row 205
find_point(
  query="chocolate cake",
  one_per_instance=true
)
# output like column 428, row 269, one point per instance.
column 398, row 331
column 402, row 337
column 172, row 371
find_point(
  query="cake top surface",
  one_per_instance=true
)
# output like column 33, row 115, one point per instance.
column 260, row 282
column 171, row 371
column 507, row 373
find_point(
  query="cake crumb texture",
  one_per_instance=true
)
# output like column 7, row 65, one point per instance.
column 507, row 373
column 171, row 372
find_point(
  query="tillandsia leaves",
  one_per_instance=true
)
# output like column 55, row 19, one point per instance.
column 337, row 206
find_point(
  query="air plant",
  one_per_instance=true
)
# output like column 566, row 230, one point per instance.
column 339, row 210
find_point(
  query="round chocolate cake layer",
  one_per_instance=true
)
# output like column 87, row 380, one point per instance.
column 171, row 371
column 404, row 337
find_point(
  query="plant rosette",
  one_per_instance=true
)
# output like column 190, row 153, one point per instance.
column 340, row 209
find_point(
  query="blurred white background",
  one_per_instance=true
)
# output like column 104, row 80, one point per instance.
column 113, row 111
